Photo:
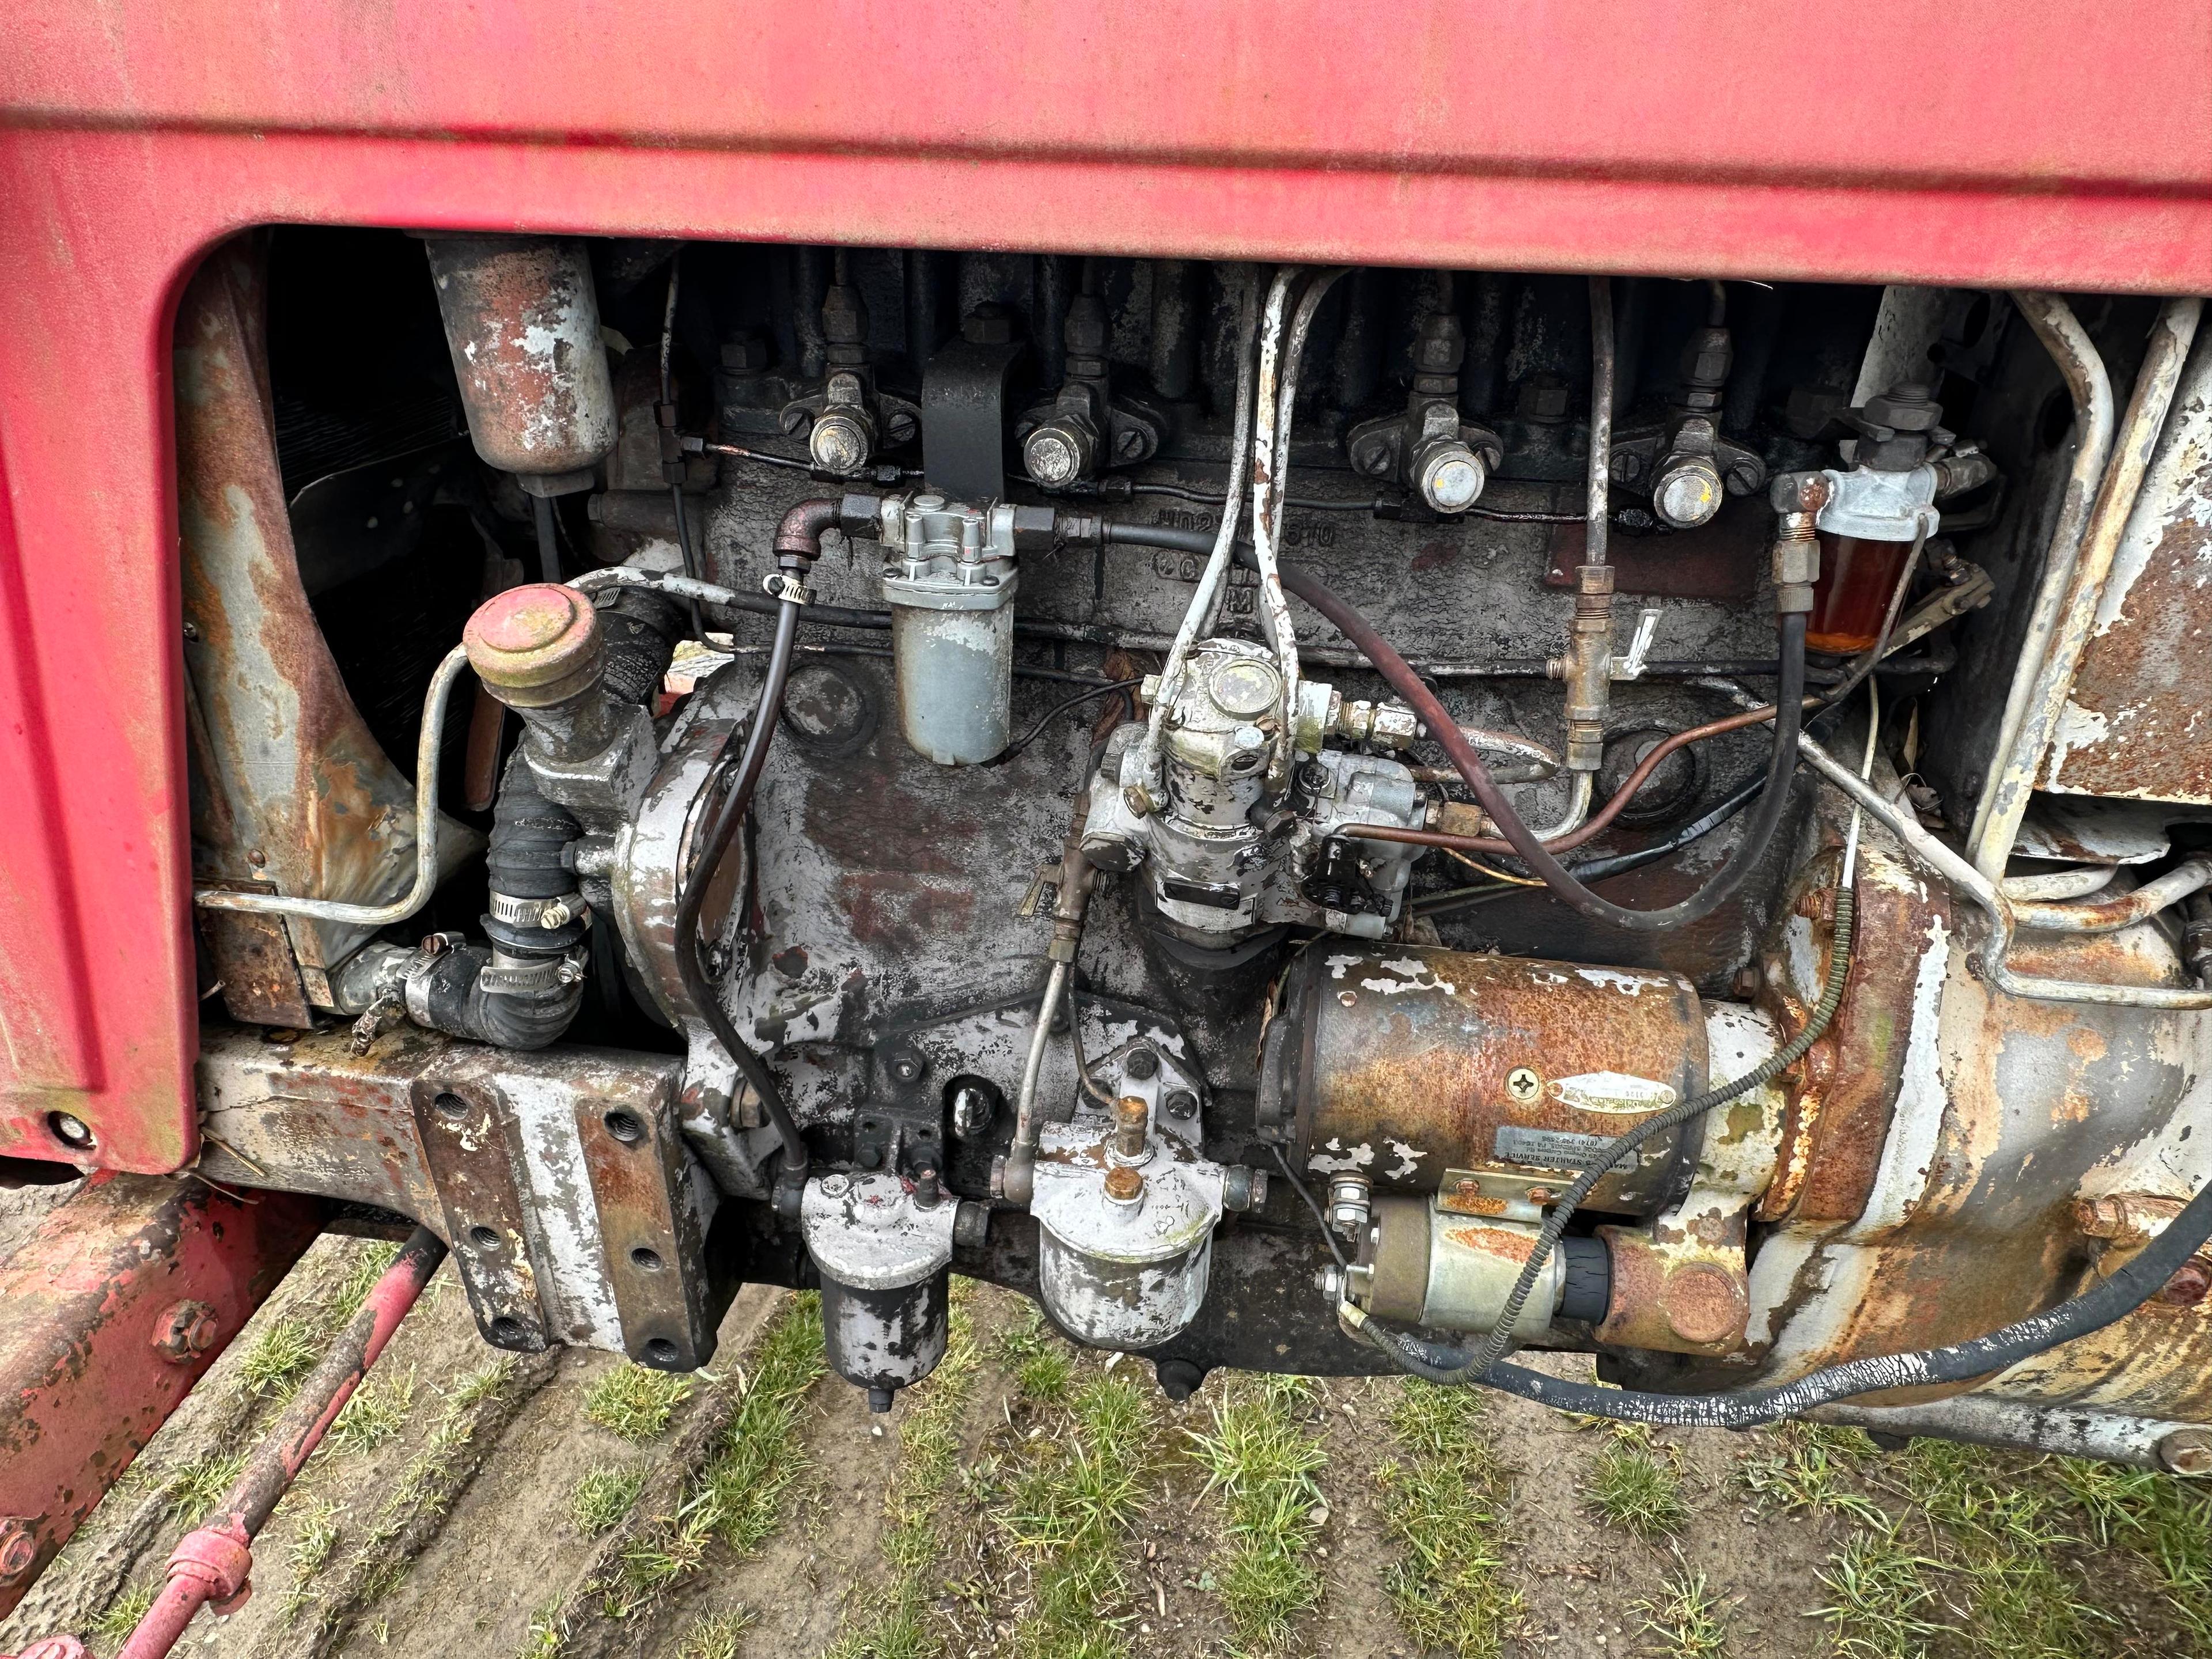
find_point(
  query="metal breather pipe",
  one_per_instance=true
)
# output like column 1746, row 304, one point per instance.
column 429, row 739
column 2005, row 791
column 2110, row 915
column 1937, row 856
column 1587, row 667
column 2066, row 604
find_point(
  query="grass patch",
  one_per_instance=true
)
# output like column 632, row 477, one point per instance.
column 280, row 1357
column 1043, row 1363
column 368, row 1265
column 715, row 1636
column 113, row 1626
column 1811, row 1466
column 1443, row 1505
column 635, row 1402
column 1263, row 1458
column 2165, row 1523
column 1064, row 1515
column 891, row 1624
column 1688, row 1619
column 195, row 1486
column 377, row 1411
column 603, row 1497
column 1880, row 1589
column 1636, row 1490
column 738, row 1497
column 547, row 1631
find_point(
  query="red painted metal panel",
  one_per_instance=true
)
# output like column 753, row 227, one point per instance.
column 2060, row 142
column 116, row 1305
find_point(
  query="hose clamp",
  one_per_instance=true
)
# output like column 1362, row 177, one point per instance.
column 534, row 978
column 782, row 584
column 546, row 913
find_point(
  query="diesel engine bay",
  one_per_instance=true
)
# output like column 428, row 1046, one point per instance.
column 1310, row 818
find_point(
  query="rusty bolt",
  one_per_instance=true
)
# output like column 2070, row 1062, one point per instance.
column 19, row 1546
column 1124, row 1185
column 185, row 1331
column 1132, row 1120
column 1817, row 905
column 1748, row 982
column 2188, row 1452
column 2098, row 1218
column 1540, row 1194
column 2189, row 1285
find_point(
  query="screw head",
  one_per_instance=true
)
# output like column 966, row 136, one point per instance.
column 906, row 1068
column 69, row 1130
column 1523, row 1085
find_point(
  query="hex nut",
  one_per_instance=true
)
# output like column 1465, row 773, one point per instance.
column 989, row 324
column 1124, row 1185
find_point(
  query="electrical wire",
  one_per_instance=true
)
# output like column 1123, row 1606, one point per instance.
column 1473, row 1367
column 1058, row 708
column 1601, row 867
column 1327, row 1232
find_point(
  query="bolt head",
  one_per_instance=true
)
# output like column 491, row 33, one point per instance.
column 989, row 324
column 19, row 1547
column 837, row 444
column 1181, row 1104
column 184, row 1331
column 1452, row 478
column 1687, row 493
column 746, row 354
column 72, row 1130
column 1054, row 455
column 1124, row 1185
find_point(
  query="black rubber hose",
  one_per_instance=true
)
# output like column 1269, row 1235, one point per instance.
column 1774, row 800
column 2110, row 1300
column 798, row 543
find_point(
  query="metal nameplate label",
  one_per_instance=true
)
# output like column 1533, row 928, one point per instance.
column 1555, row 1149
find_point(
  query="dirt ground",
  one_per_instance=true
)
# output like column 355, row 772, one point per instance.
column 1034, row 1500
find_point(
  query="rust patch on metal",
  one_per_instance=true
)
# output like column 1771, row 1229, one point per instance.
column 2136, row 722
column 1438, row 1051
column 465, row 1143
column 655, row 1245
column 292, row 792
column 85, row 1376
column 1841, row 1096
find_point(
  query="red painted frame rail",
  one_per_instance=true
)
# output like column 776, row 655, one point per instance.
column 2065, row 143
